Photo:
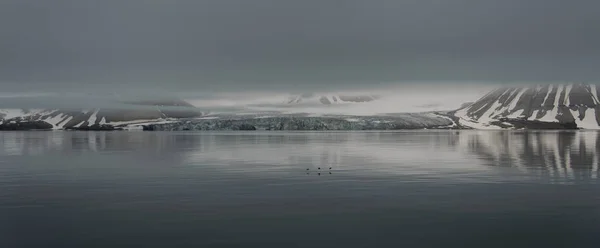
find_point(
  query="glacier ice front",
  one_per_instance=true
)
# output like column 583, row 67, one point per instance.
column 400, row 121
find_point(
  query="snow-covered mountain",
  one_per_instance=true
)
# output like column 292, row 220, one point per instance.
column 359, row 104
column 552, row 106
column 329, row 99
column 137, row 112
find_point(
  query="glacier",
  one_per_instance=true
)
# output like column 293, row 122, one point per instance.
column 309, row 123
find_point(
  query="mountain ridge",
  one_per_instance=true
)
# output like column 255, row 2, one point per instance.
column 565, row 104
column 142, row 111
column 329, row 99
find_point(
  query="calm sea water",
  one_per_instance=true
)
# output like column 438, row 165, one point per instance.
column 300, row 189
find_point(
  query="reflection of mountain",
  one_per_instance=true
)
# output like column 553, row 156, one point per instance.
column 442, row 153
column 74, row 143
column 557, row 153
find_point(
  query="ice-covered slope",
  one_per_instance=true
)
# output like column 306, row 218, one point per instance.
column 561, row 104
column 137, row 112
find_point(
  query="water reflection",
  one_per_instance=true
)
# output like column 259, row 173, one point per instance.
column 565, row 153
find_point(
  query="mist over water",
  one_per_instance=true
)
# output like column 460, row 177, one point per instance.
column 304, row 189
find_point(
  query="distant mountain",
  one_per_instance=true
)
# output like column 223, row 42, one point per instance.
column 145, row 111
column 552, row 106
column 329, row 99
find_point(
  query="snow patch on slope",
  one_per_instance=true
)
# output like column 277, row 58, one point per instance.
column 56, row 120
column 567, row 93
column 594, row 93
column 92, row 119
column 550, row 88
column 514, row 102
column 588, row 122
column 79, row 124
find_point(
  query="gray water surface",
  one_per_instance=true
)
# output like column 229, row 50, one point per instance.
column 300, row 189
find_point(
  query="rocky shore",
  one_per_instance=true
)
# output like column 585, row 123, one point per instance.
column 42, row 125
column 26, row 125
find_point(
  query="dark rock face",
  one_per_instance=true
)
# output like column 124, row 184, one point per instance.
column 25, row 125
column 527, row 124
column 245, row 127
column 567, row 104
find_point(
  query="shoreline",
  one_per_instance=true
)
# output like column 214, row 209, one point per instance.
column 409, row 121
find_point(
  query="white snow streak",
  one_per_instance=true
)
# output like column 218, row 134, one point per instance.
column 550, row 88
column 62, row 124
column 79, row 124
column 92, row 119
column 558, row 92
column 55, row 120
column 594, row 93
column 514, row 102
column 534, row 114
column 550, row 115
column 568, row 92
column 506, row 107
column 490, row 113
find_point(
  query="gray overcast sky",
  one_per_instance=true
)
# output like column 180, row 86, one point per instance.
column 293, row 44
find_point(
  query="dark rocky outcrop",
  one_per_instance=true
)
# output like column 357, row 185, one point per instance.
column 25, row 125
column 245, row 127
column 529, row 124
